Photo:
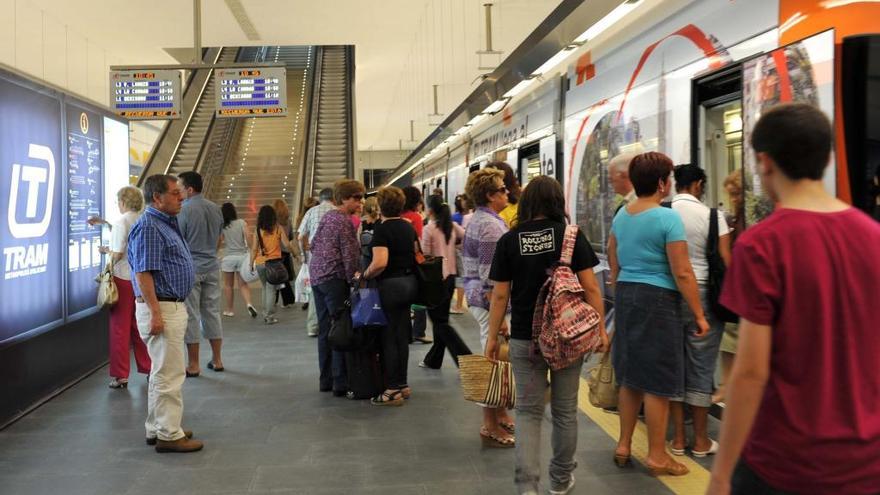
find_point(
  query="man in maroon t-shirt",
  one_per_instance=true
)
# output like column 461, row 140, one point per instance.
column 803, row 409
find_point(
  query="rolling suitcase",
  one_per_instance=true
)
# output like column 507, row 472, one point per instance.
column 365, row 378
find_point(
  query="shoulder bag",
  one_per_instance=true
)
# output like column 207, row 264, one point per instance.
column 276, row 273
column 429, row 272
column 716, row 272
column 108, row 294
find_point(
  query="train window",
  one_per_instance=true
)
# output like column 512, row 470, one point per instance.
column 529, row 165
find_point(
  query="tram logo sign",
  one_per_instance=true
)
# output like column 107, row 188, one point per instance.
column 21, row 261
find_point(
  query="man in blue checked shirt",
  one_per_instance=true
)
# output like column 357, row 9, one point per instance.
column 164, row 276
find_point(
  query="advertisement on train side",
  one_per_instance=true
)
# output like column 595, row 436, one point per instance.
column 32, row 203
column 636, row 96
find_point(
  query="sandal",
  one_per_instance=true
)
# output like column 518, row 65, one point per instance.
column 406, row 392
column 393, row 398
column 677, row 452
column 623, row 461
column 492, row 440
column 671, row 468
column 508, row 426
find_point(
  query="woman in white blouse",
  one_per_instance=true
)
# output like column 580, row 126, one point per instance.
column 123, row 329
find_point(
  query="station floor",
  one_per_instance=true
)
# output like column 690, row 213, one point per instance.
column 267, row 429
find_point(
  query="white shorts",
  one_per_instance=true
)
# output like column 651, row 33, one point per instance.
column 232, row 263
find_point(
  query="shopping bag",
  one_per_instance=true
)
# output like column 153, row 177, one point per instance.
column 429, row 272
column 301, row 289
column 366, row 308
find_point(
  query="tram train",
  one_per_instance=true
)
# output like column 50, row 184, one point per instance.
column 688, row 78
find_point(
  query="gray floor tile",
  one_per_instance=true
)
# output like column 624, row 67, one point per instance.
column 267, row 429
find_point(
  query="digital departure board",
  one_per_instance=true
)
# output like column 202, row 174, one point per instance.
column 146, row 95
column 251, row 92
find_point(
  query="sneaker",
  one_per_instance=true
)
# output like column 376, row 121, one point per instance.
column 564, row 491
column 252, row 310
column 270, row 320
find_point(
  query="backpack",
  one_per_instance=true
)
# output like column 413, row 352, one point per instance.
column 565, row 327
column 716, row 273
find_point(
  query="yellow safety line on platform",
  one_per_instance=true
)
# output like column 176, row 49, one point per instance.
column 694, row 483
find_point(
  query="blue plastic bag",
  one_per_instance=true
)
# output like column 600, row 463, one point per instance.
column 366, row 308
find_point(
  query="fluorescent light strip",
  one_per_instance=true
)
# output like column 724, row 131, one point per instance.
column 553, row 62
column 606, row 22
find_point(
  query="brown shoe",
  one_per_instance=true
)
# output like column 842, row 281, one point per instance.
column 180, row 446
column 186, row 434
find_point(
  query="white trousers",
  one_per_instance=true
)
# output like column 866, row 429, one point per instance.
column 482, row 317
column 164, row 399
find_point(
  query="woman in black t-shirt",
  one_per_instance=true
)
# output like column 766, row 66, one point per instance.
column 519, row 269
column 393, row 265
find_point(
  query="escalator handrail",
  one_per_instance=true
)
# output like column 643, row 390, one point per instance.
column 314, row 116
column 165, row 129
column 198, row 103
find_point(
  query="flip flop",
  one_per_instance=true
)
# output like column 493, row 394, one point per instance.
column 211, row 366
column 192, row 375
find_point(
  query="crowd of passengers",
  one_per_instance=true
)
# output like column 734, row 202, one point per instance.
column 802, row 396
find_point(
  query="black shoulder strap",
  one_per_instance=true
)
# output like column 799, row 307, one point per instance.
column 712, row 242
column 260, row 241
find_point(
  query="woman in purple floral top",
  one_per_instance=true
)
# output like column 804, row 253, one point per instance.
column 486, row 189
column 335, row 254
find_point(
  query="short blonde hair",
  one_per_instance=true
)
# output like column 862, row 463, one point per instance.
column 131, row 198
column 346, row 188
column 371, row 207
column 481, row 184
column 391, row 200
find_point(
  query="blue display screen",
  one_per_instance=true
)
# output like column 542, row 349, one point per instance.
column 84, row 199
column 31, row 221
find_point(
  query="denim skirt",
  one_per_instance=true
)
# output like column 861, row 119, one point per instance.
column 647, row 349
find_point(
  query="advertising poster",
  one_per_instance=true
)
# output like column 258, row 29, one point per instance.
column 31, row 214
column 800, row 72
column 84, row 200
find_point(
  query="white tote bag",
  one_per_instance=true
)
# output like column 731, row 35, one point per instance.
column 247, row 272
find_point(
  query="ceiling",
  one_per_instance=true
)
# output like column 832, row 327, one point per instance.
column 403, row 47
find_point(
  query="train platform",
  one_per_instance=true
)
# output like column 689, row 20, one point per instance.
column 267, row 429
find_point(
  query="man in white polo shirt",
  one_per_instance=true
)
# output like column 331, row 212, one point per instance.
column 701, row 352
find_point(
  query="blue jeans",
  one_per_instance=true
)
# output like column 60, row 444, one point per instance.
column 530, row 372
column 700, row 355
column 329, row 298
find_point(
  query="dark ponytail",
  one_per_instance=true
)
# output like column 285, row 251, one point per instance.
column 442, row 215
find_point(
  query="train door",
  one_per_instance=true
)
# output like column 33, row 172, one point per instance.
column 718, row 129
column 529, row 165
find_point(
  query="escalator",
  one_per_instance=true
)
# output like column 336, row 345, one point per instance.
column 180, row 146
column 331, row 150
column 265, row 158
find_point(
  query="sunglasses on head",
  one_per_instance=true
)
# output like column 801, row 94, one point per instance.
column 502, row 189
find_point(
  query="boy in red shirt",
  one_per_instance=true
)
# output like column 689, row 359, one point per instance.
column 803, row 413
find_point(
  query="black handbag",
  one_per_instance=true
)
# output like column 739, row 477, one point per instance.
column 276, row 272
column 343, row 336
column 716, row 273
column 429, row 273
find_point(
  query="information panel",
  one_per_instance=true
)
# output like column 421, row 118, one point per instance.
column 31, row 203
column 84, row 200
column 146, row 95
column 244, row 92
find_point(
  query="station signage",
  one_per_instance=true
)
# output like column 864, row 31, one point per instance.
column 146, row 94
column 251, row 92
column 31, row 222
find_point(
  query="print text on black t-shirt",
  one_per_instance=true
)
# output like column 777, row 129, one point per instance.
column 523, row 257
column 535, row 243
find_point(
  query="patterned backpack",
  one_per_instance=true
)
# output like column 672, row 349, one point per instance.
column 564, row 327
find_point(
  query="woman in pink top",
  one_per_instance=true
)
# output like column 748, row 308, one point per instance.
column 439, row 239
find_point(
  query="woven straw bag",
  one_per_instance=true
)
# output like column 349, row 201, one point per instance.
column 487, row 383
